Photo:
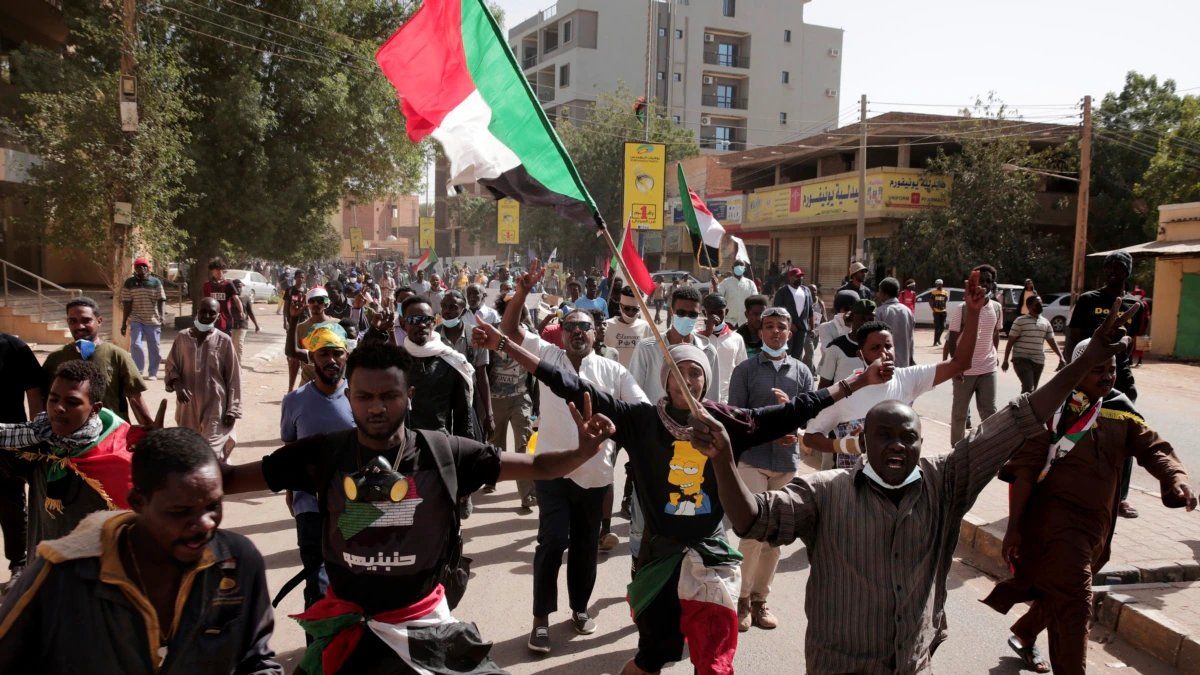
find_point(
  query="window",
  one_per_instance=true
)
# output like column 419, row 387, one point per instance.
column 725, row 95
column 676, row 118
column 678, row 33
column 728, row 7
column 726, row 54
column 566, row 31
column 564, row 75
column 785, row 77
column 660, row 75
column 783, row 118
column 723, row 137
column 678, row 77
column 787, row 35
column 662, row 32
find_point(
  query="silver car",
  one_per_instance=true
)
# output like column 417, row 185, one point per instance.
column 256, row 285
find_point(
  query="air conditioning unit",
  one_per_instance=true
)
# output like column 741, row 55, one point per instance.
column 831, row 93
column 835, row 52
column 708, row 79
column 705, row 121
column 709, row 37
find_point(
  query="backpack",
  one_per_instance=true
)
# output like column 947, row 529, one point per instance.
column 456, row 571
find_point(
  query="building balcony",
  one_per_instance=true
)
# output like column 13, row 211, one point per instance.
column 529, row 61
column 722, row 145
column 726, row 102
column 725, row 60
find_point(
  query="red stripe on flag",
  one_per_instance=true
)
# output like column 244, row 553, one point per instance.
column 425, row 61
column 699, row 204
column 633, row 263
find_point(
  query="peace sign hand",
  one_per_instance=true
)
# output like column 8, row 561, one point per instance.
column 594, row 429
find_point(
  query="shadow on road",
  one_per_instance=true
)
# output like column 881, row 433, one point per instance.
column 263, row 528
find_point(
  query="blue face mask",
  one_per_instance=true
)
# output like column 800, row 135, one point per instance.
column 912, row 477
column 451, row 323
column 683, row 325
column 719, row 327
column 739, row 270
column 774, row 353
column 86, row 348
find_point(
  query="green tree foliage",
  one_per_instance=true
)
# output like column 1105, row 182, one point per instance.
column 596, row 141
column 68, row 116
column 1174, row 173
column 477, row 216
column 989, row 218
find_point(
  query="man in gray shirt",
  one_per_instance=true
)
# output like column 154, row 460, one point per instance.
column 771, row 465
column 898, row 318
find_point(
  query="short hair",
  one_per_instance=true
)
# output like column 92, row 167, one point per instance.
column 574, row 282
column 627, row 292
column 85, row 371
column 985, row 268
column 757, row 301
column 217, row 263
column 890, row 287
column 580, row 310
column 1031, row 298
column 163, row 452
column 685, row 293
column 414, row 300
column 403, row 289
column 453, row 293
column 378, row 356
column 865, row 330
column 83, row 301
column 714, row 301
column 333, row 286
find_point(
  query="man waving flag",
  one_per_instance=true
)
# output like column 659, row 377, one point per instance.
column 459, row 83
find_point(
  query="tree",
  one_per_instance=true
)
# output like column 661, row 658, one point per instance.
column 476, row 215
column 68, row 116
column 596, row 141
column 989, row 218
column 1174, row 172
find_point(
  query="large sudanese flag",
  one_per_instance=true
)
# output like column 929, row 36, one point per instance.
column 459, row 82
column 706, row 231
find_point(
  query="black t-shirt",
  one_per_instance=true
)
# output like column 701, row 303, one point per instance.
column 1092, row 309
column 19, row 371
column 443, row 402
column 382, row 555
column 752, row 339
column 863, row 291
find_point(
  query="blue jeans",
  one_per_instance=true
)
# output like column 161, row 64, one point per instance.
column 152, row 334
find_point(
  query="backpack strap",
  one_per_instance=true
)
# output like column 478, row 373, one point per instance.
column 439, row 445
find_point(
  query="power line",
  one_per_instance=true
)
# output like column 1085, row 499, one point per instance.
column 408, row 9
column 1144, row 150
column 265, row 28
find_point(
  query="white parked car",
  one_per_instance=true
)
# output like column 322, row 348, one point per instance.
column 924, row 315
column 1056, row 307
column 258, row 286
column 666, row 276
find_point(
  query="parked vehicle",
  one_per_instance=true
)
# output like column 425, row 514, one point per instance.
column 1008, row 295
column 1056, row 307
column 259, row 287
column 924, row 315
column 666, row 276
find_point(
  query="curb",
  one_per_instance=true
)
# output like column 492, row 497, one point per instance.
column 1145, row 627
column 263, row 358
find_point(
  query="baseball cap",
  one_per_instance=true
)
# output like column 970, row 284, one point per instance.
column 939, row 282
column 863, row 307
column 141, row 261
column 795, row 272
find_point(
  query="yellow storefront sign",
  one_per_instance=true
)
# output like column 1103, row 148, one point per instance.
column 508, row 221
column 831, row 197
column 775, row 204
column 645, row 183
column 908, row 191
column 425, row 239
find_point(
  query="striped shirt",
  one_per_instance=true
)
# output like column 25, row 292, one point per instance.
column 1028, row 335
column 876, row 595
column 983, row 361
column 145, row 295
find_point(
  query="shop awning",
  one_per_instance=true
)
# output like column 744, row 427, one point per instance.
column 1157, row 248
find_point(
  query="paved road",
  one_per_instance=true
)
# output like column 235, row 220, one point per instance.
column 501, row 542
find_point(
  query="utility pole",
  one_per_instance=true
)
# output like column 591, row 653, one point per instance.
column 860, row 232
column 1081, row 207
column 122, row 223
column 649, row 66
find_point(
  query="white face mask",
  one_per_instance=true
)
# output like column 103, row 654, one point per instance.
column 912, row 477
column 203, row 327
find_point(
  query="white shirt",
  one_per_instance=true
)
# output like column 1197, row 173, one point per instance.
column 836, row 364
column 624, row 337
column 832, row 330
column 983, row 361
column 490, row 315
column 735, row 291
column 801, row 295
column 420, row 287
column 846, row 416
column 731, row 350
column 557, row 431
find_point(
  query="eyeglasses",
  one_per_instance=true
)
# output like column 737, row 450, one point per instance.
column 319, row 301
column 684, row 314
column 629, row 309
column 572, row 326
column 418, row 320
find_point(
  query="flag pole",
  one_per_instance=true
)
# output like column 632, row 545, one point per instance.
column 693, row 404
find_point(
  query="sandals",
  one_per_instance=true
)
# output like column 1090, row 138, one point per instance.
column 1126, row 510
column 1031, row 658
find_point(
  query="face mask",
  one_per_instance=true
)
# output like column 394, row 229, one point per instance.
column 878, row 480
column 774, row 353
column 683, row 325
column 719, row 327
column 739, row 270
column 351, row 344
column 203, row 327
column 451, row 323
column 86, row 348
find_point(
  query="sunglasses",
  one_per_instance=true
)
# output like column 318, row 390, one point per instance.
column 418, row 320
column 572, row 326
column 776, row 311
column 319, row 301
column 629, row 309
column 683, row 314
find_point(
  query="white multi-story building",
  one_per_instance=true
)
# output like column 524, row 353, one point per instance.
column 740, row 74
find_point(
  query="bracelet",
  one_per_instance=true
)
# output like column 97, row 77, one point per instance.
column 503, row 343
column 845, row 387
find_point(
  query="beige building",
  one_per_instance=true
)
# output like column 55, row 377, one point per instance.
column 739, row 73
